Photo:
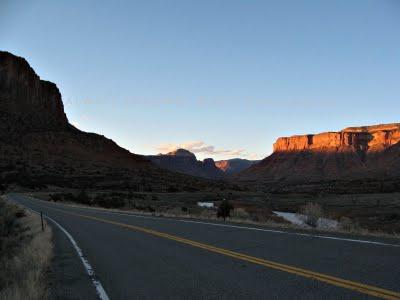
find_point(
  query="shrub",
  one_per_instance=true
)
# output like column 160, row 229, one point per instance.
column 347, row 224
column 82, row 198
column 116, row 202
column 206, row 214
column 241, row 213
column 8, row 222
column 56, row 197
column 68, row 197
column 172, row 189
column 312, row 213
column 260, row 214
column 150, row 209
column 224, row 209
column 20, row 214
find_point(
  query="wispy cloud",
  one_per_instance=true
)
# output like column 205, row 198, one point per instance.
column 205, row 150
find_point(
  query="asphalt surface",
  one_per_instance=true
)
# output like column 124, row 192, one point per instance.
column 137, row 257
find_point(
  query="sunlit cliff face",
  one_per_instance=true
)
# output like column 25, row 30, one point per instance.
column 367, row 139
column 222, row 165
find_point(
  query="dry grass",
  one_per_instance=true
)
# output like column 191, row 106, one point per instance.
column 26, row 258
column 240, row 213
column 312, row 212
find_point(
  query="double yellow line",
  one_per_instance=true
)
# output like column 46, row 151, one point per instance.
column 351, row 285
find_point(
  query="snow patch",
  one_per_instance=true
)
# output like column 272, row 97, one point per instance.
column 299, row 219
column 293, row 218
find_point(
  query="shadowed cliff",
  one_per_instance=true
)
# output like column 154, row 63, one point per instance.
column 39, row 147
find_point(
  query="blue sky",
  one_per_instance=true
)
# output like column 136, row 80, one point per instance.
column 223, row 78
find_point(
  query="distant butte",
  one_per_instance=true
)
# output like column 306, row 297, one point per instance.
column 184, row 161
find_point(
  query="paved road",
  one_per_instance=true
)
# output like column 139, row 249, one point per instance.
column 136, row 257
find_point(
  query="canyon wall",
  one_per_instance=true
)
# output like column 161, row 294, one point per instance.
column 27, row 103
column 362, row 159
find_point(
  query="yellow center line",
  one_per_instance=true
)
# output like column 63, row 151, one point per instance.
column 351, row 285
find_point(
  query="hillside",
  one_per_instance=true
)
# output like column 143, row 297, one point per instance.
column 40, row 147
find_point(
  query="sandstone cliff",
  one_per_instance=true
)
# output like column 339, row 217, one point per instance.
column 366, row 139
column 366, row 158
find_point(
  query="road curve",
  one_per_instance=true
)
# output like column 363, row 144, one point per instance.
column 138, row 257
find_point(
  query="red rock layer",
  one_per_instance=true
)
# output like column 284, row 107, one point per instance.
column 367, row 138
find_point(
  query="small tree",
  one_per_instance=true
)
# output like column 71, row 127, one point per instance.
column 224, row 209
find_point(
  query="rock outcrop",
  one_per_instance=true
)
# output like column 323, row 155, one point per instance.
column 27, row 103
column 235, row 165
column 344, row 160
column 39, row 147
column 184, row 161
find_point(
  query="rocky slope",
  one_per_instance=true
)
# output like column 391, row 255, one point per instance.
column 39, row 147
column 184, row 161
column 366, row 158
column 235, row 165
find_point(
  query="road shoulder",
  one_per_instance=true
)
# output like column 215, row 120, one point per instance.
column 68, row 279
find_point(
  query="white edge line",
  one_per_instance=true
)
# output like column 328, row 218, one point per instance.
column 97, row 284
column 235, row 226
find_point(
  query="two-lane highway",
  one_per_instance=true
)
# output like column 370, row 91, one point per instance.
column 148, row 257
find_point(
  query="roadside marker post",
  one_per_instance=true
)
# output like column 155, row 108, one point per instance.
column 41, row 218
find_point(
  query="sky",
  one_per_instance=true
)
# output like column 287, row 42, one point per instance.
column 221, row 78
